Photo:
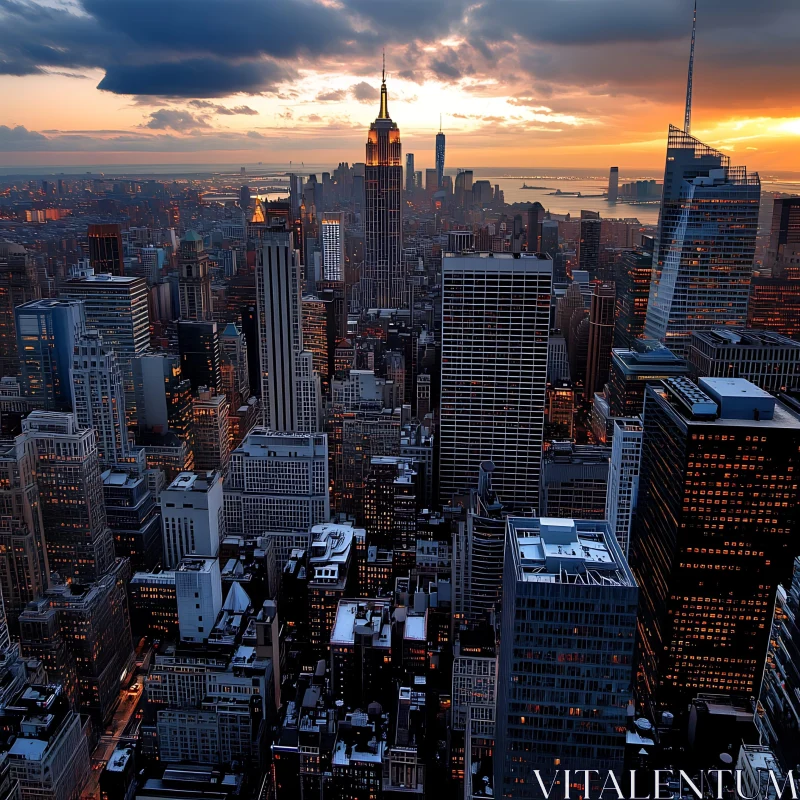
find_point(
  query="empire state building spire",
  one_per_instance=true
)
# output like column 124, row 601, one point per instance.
column 384, row 112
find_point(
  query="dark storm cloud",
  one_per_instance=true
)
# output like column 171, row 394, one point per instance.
column 200, row 77
column 215, row 48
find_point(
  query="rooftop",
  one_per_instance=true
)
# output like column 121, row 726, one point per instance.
column 743, row 338
column 194, row 482
column 365, row 617
column 569, row 551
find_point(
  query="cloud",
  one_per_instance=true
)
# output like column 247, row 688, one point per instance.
column 20, row 138
column 334, row 95
column 174, row 119
column 193, row 78
column 364, row 92
column 215, row 108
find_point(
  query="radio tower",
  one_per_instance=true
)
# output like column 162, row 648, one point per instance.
column 687, row 119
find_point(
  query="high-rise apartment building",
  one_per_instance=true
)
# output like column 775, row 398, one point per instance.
column 779, row 699
column 706, row 243
column 783, row 255
column 79, row 543
column 211, row 424
column 495, row 327
column 718, row 499
column 574, row 481
column 601, row 335
column 200, row 351
column 383, row 281
column 440, row 145
column 589, row 242
column 632, row 275
column 623, row 478
column 105, row 249
column 194, row 279
column 567, row 588
column 646, row 362
column 333, row 249
column 117, row 309
column 47, row 331
column 277, row 481
column 767, row 359
column 198, row 588
column 192, row 518
column 97, row 398
column 24, row 571
column 18, row 285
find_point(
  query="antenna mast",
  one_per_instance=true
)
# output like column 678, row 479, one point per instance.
column 687, row 119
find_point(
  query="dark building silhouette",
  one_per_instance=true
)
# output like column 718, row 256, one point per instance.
column 105, row 249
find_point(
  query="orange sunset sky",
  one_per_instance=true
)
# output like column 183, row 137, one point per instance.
column 562, row 83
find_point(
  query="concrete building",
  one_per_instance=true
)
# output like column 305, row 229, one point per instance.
column 194, row 279
column 631, row 370
column 277, row 481
column 98, row 400
column 24, row 569
column 566, row 587
column 769, row 360
column 574, row 481
column 333, row 249
column 198, row 589
column 623, row 478
column 116, row 307
column 49, row 758
column 79, row 543
column 496, row 321
column 192, row 518
column 211, row 424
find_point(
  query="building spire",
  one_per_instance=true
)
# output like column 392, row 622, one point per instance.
column 384, row 112
column 440, row 123
column 687, row 118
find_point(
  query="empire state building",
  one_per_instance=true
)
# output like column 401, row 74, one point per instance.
column 383, row 281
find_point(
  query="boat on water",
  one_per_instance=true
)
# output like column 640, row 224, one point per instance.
column 525, row 186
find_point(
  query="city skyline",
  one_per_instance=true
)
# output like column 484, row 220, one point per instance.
column 597, row 84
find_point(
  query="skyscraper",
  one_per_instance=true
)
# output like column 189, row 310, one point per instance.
column 211, row 423
column 290, row 391
column 623, row 478
column 333, row 253
column 200, row 352
column 409, row 173
column 440, row 155
column 706, row 243
column 568, row 595
column 97, row 397
column 383, row 281
column 717, row 503
column 192, row 519
column 105, row 249
column 589, row 242
column 613, row 184
column 280, row 334
column 117, row 309
column 632, row 280
column 783, row 255
column 24, row 572
column 194, row 280
column 495, row 326
column 80, row 546
column 18, row 285
column 47, row 331
column 601, row 335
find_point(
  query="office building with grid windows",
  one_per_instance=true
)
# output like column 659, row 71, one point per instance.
column 716, row 513
column 495, row 327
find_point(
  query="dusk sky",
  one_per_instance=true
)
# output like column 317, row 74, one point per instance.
column 561, row 83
